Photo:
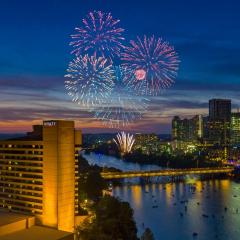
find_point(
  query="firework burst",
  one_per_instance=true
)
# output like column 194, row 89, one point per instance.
column 122, row 107
column 90, row 80
column 154, row 64
column 99, row 35
column 124, row 141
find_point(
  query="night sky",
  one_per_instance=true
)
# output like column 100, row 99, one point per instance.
column 34, row 54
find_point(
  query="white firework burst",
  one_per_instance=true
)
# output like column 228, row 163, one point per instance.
column 124, row 142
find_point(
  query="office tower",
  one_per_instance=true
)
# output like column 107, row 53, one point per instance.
column 219, row 121
column 220, row 109
column 235, row 128
column 38, row 174
column 205, row 128
column 186, row 131
column 197, row 126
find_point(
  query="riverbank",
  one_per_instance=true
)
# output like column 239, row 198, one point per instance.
column 161, row 159
column 172, row 161
column 111, row 161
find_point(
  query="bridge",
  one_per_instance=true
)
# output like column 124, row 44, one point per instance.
column 166, row 172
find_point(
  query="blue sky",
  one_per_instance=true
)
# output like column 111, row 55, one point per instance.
column 35, row 53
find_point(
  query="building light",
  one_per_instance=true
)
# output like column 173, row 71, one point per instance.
column 49, row 124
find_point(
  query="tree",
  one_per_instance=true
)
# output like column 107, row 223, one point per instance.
column 147, row 235
column 113, row 221
column 94, row 185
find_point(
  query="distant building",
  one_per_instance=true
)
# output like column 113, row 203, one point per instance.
column 219, row 121
column 198, row 127
column 218, row 134
column 147, row 143
column 220, row 109
column 94, row 140
column 235, row 128
column 205, row 128
column 38, row 174
column 186, row 131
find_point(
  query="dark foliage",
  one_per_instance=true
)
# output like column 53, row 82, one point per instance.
column 147, row 235
column 114, row 221
column 172, row 161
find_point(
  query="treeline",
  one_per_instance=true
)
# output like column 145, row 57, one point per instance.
column 91, row 184
column 108, row 218
column 113, row 220
column 108, row 149
column 164, row 159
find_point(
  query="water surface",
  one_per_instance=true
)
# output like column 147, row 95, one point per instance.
column 173, row 211
column 110, row 161
column 210, row 199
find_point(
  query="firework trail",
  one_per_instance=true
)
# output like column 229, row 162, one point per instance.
column 99, row 35
column 122, row 107
column 90, row 80
column 154, row 64
column 124, row 142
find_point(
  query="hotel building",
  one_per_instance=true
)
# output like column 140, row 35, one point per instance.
column 38, row 174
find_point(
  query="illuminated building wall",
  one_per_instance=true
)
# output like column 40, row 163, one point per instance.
column 235, row 129
column 219, row 121
column 39, row 177
column 21, row 176
column 186, row 131
column 219, row 132
column 147, row 143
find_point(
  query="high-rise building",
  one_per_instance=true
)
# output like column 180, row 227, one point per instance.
column 186, row 131
column 38, row 174
column 197, row 123
column 205, row 128
column 235, row 128
column 219, row 121
column 220, row 109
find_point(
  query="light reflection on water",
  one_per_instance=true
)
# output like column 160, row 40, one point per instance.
column 109, row 161
column 210, row 198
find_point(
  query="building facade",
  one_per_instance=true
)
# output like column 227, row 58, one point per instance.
column 220, row 109
column 235, row 129
column 38, row 174
column 219, row 121
column 186, row 132
column 147, row 143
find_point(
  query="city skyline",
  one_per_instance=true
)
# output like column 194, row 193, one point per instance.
column 114, row 130
column 31, row 77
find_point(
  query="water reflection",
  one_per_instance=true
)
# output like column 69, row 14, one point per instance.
column 173, row 212
column 136, row 196
column 109, row 161
column 211, row 211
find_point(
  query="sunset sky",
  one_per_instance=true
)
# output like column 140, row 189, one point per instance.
column 34, row 54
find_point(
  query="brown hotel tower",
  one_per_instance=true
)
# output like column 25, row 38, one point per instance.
column 38, row 174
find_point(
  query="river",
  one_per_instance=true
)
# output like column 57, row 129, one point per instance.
column 173, row 212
